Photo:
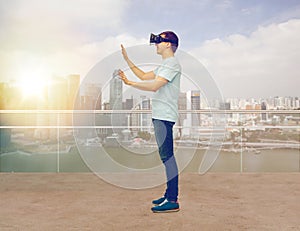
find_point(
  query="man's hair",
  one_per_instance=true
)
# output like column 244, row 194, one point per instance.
column 172, row 37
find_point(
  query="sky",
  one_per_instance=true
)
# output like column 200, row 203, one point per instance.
column 250, row 48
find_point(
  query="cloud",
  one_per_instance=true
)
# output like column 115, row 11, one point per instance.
column 81, row 59
column 47, row 25
column 66, row 36
column 73, row 60
column 224, row 5
column 262, row 64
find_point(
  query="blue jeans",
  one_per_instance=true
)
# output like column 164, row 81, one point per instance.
column 164, row 138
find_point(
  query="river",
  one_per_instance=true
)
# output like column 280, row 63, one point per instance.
column 110, row 160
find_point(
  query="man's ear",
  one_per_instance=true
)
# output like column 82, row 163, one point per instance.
column 169, row 45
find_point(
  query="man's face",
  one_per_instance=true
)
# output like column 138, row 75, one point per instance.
column 161, row 47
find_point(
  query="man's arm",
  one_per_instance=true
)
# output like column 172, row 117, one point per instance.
column 137, row 71
column 145, row 86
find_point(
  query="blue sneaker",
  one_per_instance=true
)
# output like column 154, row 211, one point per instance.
column 166, row 207
column 158, row 201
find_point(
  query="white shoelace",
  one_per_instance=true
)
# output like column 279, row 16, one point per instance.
column 162, row 203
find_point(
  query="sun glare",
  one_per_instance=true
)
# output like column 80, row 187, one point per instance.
column 33, row 83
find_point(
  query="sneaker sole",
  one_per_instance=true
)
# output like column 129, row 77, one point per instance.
column 166, row 211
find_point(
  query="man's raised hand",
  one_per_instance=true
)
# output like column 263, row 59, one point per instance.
column 124, row 52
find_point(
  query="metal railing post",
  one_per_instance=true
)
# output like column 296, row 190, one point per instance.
column 58, row 147
column 241, row 152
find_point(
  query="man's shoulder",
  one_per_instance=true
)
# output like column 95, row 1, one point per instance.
column 172, row 62
column 172, row 59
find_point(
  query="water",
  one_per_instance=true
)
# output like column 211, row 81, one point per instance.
column 270, row 160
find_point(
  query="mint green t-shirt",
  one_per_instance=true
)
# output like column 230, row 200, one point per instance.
column 165, row 99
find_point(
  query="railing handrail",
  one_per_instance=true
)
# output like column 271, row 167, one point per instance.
column 200, row 128
column 201, row 111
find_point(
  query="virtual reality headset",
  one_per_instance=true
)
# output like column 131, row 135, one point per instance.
column 156, row 39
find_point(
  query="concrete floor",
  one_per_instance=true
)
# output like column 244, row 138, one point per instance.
column 214, row 201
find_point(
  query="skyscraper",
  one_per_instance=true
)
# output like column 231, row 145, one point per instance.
column 195, row 105
column 182, row 105
column 57, row 100
column 91, row 99
column 145, row 118
column 5, row 134
column 128, row 104
column 116, row 102
column 73, row 82
column 115, row 93
column 264, row 107
column 57, row 97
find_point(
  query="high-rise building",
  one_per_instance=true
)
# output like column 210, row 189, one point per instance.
column 264, row 107
column 57, row 97
column 115, row 93
column 5, row 134
column 57, row 100
column 91, row 98
column 128, row 104
column 225, row 106
column 296, row 103
column 73, row 82
column 3, row 96
column 42, row 119
column 116, row 102
column 195, row 105
column 145, row 119
column 182, row 105
column 234, row 103
column 135, row 117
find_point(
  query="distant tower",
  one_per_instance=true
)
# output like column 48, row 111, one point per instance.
column 145, row 119
column 182, row 105
column 57, row 97
column 57, row 100
column 128, row 105
column 116, row 102
column 115, row 93
column 91, row 99
column 73, row 82
column 263, row 107
column 3, row 97
column 5, row 134
column 195, row 105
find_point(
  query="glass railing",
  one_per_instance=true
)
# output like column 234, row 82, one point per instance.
column 221, row 141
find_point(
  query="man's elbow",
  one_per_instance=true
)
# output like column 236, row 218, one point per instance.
column 144, row 77
column 154, row 88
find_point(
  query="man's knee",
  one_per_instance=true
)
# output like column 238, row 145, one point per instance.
column 164, row 158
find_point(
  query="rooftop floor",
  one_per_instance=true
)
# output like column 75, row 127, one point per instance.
column 214, row 201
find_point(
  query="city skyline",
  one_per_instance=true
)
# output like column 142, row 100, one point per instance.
column 61, row 93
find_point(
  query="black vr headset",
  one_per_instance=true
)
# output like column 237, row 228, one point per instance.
column 156, row 39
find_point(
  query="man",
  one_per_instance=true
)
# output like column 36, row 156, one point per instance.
column 164, row 81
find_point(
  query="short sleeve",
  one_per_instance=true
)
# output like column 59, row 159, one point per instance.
column 167, row 70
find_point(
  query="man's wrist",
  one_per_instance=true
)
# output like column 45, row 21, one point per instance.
column 127, row 60
column 131, row 65
column 130, row 83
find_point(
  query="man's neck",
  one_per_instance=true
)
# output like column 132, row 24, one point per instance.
column 167, row 54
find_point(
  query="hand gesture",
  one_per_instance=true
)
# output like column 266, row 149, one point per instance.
column 124, row 52
column 124, row 78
